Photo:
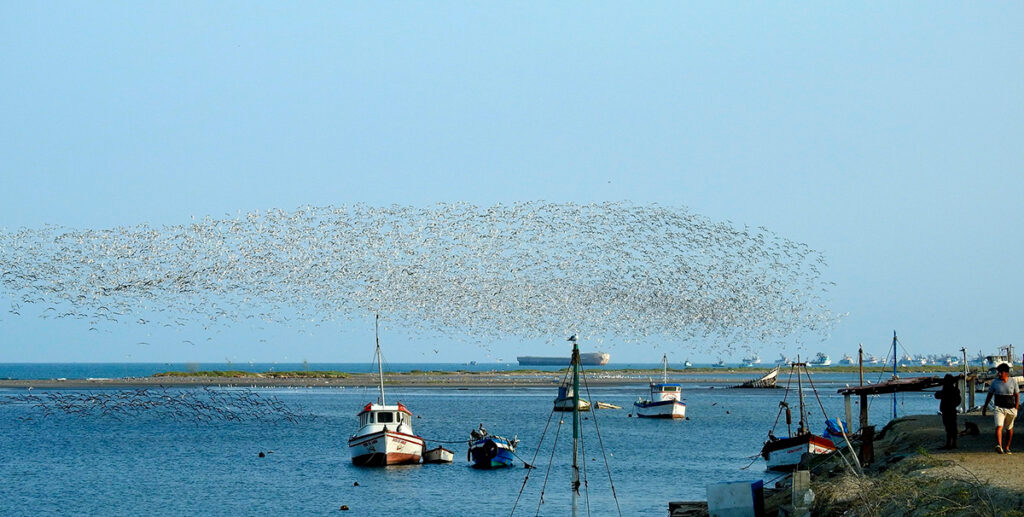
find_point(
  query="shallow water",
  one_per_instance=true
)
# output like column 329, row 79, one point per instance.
column 99, row 465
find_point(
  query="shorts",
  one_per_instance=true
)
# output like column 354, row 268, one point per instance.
column 1002, row 414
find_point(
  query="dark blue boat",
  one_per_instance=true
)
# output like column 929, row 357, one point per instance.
column 487, row 451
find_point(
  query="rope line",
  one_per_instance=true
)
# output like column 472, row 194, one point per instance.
column 600, row 442
column 547, row 473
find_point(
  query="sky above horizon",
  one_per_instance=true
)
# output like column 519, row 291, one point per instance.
column 886, row 137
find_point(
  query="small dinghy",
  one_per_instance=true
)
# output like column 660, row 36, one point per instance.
column 489, row 451
column 438, row 455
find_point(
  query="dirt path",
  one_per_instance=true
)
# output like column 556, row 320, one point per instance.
column 975, row 456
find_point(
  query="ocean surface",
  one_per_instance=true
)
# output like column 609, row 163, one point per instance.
column 98, row 465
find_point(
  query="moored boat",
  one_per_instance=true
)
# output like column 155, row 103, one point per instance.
column 821, row 359
column 665, row 401
column 847, row 360
column 438, row 455
column 488, row 451
column 563, row 402
column 751, row 360
column 786, row 453
column 385, row 435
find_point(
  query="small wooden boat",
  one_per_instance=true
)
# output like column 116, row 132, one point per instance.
column 768, row 380
column 563, row 402
column 786, row 453
column 488, row 451
column 438, row 455
column 665, row 399
column 605, row 405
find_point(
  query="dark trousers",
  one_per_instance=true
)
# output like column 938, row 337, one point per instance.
column 949, row 422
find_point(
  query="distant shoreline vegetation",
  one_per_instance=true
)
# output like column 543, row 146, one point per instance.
column 331, row 374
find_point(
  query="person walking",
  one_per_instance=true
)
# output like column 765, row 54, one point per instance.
column 949, row 400
column 1006, row 393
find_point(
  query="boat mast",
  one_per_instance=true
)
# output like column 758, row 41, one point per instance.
column 380, row 367
column 664, row 372
column 575, row 415
column 894, row 373
column 800, row 392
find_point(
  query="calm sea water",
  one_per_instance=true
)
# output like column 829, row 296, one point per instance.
column 93, row 465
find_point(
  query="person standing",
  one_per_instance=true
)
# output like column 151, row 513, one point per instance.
column 949, row 400
column 1006, row 393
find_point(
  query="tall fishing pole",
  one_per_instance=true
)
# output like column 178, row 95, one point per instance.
column 575, row 420
column 894, row 376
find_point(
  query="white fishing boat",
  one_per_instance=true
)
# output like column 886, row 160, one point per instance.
column 821, row 360
column 783, row 360
column 719, row 364
column 687, row 363
column 385, row 435
column 751, row 360
column 666, row 399
column 847, row 360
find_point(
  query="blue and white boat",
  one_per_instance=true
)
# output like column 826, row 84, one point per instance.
column 488, row 451
column 666, row 399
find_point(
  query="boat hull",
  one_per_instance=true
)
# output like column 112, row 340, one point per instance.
column 491, row 453
column 588, row 359
column 566, row 405
column 786, row 453
column 662, row 409
column 385, row 448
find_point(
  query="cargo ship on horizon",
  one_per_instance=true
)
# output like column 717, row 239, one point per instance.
column 589, row 359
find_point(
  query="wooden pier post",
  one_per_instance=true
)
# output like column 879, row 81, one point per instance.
column 863, row 411
column 849, row 409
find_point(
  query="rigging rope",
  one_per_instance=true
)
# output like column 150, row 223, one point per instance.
column 551, row 460
column 600, row 442
column 536, row 452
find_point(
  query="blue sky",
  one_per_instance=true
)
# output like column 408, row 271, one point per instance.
column 886, row 136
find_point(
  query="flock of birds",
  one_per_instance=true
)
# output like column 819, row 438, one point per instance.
column 533, row 269
column 199, row 406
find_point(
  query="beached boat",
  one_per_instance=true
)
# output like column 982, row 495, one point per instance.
column 786, row 453
column 385, row 435
column 767, row 380
column 488, row 451
column 438, row 455
column 563, row 402
column 665, row 401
